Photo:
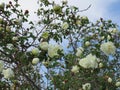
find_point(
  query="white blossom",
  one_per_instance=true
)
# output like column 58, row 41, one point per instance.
column 108, row 48
column 35, row 61
column 44, row 45
column 90, row 61
column 53, row 50
column 75, row 69
column 8, row 73
column 86, row 86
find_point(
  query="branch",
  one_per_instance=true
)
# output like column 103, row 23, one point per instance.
column 85, row 9
column 30, row 80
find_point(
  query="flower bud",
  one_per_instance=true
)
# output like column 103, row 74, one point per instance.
column 57, row 9
column 109, row 80
column 87, row 43
column 117, row 84
column 15, row 38
column 35, row 51
column 108, row 37
column 2, row 6
column 100, row 65
column 35, row 61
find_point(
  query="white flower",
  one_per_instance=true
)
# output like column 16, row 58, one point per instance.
column 8, row 73
column 108, row 48
column 75, row 69
column 35, row 51
column 79, row 51
column 90, row 61
column 109, row 80
column 117, row 84
column 100, row 65
column 15, row 38
column 35, row 61
column 53, row 50
column 1, row 65
column 65, row 25
column 84, row 63
column 87, row 43
column 86, row 86
column 44, row 45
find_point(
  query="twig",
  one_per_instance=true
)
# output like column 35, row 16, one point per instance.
column 85, row 9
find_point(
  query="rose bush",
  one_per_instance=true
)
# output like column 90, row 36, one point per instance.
column 60, row 51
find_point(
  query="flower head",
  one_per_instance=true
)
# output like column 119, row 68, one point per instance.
column 53, row 50
column 108, row 48
column 44, row 45
column 90, row 61
column 75, row 69
column 8, row 73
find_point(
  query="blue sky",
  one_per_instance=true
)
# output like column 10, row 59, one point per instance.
column 107, row 9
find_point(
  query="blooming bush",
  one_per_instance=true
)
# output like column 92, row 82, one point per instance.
column 60, row 51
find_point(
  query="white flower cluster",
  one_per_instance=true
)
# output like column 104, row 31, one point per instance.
column 8, row 73
column 79, row 51
column 86, row 86
column 90, row 61
column 108, row 48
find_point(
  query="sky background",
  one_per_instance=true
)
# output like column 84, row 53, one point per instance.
column 107, row 9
